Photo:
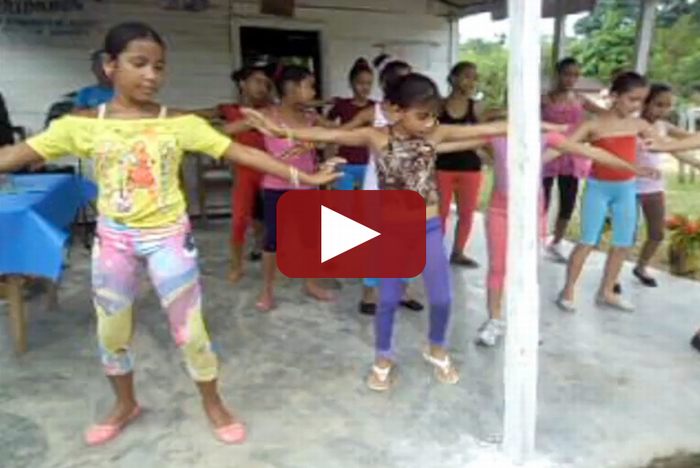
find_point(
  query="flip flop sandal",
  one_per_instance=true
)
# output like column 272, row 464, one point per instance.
column 99, row 434
column 412, row 305
column 444, row 370
column 368, row 308
column 231, row 434
column 463, row 261
column 644, row 279
column 381, row 379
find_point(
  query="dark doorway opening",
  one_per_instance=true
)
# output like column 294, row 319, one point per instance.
column 285, row 46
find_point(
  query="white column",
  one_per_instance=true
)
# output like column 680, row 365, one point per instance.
column 559, row 43
column 645, row 33
column 522, row 283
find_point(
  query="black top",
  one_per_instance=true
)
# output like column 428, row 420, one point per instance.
column 461, row 160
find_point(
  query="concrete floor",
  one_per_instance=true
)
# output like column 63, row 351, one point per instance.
column 615, row 390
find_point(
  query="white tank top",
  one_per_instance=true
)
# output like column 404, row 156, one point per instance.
column 652, row 159
column 380, row 121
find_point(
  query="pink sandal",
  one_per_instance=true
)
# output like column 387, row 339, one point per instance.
column 99, row 434
column 232, row 434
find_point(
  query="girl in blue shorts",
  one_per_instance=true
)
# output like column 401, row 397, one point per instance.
column 610, row 191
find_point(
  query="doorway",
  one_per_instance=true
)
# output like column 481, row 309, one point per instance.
column 285, row 46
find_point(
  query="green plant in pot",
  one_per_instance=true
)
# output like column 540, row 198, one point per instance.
column 684, row 245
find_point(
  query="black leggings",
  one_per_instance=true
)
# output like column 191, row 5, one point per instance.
column 568, row 191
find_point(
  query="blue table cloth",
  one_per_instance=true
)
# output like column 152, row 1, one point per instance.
column 35, row 220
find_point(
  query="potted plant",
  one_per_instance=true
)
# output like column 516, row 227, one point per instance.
column 684, row 245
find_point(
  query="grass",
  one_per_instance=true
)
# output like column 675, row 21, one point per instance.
column 681, row 198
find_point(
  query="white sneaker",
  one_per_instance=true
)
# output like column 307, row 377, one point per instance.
column 490, row 332
column 555, row 254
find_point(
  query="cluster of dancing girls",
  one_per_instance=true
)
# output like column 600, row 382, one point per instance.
column 413, row 140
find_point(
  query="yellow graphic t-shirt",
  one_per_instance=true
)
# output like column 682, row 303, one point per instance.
column 137, row 162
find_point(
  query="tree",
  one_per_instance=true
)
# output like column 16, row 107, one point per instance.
column 608, row 48
column 491, row 58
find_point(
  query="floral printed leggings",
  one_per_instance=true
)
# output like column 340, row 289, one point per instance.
column 170, row 257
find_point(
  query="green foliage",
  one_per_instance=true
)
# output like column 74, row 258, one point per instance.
column 606, row 45
column 610, row 47
column 491, row 59
column 676, row 55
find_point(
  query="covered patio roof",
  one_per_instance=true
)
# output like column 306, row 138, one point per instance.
column 498, row 8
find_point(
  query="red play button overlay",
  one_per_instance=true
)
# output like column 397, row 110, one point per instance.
column 351, row 234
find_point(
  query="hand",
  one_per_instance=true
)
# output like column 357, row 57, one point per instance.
column 331, row 164
column 323, row 177
column 264, row 125
column 648, row 172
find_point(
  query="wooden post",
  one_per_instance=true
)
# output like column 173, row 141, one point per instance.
column 645, row 33
column 522, row 284
column 559, row 44
column 18, row 313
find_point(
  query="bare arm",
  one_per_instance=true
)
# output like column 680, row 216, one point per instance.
column 263, row 162
column 455, row 146
column 591, row 106
column 366, row 136
column 687, row 159
column 17, row 156
column 677, row 132
column 596, row 154
column 236, row 128
column 581, row 134
column 445, row 133
column 363, row 118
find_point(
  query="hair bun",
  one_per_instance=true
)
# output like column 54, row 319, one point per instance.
column 380, row 60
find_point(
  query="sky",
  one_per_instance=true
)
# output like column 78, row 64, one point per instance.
column 482, row 27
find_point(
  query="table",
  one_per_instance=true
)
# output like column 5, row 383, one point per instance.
column 35, row 220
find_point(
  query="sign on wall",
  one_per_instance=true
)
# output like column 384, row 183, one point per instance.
column 65, row 18
column 48, row 17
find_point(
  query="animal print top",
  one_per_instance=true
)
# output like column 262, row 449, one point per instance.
column 409, row 165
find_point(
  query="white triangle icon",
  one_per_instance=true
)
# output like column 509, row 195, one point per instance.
column 340, row 234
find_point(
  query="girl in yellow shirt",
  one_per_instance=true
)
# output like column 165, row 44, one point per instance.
column 137, row 147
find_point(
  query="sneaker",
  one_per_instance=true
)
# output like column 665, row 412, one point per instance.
column 490, row 332
column 620, row 303
column 555, row 254
column 565, row 304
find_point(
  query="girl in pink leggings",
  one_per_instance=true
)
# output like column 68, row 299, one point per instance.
column 497, row 222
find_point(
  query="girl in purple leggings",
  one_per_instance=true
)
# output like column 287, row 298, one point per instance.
column 405, row 159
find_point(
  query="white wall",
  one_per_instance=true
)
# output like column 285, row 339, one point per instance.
column 37, row 70
column 203, row 49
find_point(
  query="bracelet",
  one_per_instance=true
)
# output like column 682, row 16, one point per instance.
column 294, row 176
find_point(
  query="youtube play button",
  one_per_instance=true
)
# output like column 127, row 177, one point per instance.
column 351, row 234
column 340, row 234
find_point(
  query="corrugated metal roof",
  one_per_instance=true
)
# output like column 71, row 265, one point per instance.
column 498, row 7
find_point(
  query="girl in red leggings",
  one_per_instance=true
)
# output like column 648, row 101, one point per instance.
column 254, row 88
column 460, row 173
